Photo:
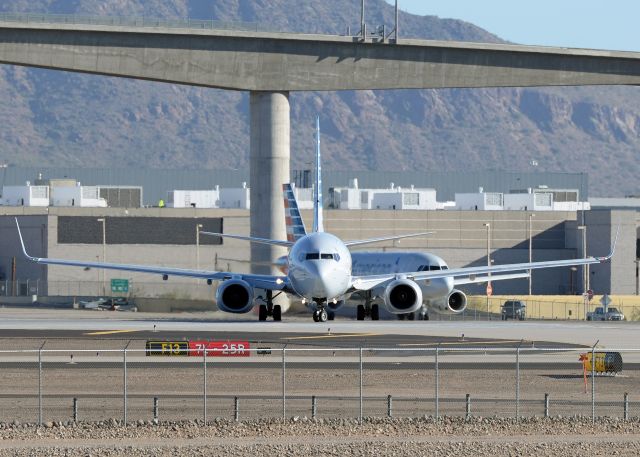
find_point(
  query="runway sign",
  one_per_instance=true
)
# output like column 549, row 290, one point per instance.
column 167, row 348
column 220, row 348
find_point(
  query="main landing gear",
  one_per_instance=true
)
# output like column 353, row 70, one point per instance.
column 321, row 314
column 368, row 310
column 269, row 309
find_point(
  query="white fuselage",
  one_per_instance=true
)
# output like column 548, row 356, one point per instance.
column 320, row 267
column 372, row 263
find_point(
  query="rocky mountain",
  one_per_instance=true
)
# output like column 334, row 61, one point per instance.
column 54, row 118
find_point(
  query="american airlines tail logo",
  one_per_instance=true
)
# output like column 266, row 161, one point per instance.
column 295, row 226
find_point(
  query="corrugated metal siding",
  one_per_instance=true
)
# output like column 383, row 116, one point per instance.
column 156, row 183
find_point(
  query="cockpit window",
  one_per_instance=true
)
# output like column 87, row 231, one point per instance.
column 313, row 256
column 326, row 256
column 434, row 267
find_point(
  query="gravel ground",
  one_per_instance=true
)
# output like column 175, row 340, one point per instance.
column 302, row 437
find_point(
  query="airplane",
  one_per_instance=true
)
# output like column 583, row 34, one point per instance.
column 321, row 271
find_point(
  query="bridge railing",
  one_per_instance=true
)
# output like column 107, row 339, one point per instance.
column 121, row 21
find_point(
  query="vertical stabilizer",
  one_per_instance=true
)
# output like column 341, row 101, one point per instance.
column 293, row 220
column 317, row 202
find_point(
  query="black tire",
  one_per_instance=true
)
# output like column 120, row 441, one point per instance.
column 323, row 316
column 315, row 316
column 331, row 315
column 375, row 313
column 411, row 316
column 277, row 313
column 401, row 317
column 262, row 313
column 588, row 318
column 426, row 317
column 360, row 313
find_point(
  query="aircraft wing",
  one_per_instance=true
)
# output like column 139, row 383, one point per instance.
column 385, row 238
column 252, row 239
column 258, row 281
column 468, row 275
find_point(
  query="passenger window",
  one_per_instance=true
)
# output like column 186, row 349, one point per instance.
column 313, row 256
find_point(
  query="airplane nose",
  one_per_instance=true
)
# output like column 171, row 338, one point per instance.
column 324, row 280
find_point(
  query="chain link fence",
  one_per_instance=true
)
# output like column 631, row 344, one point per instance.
column 39, row 385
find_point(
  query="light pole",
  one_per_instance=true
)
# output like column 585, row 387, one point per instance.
column 4, row 175
column 489, row 288
column 585, row 270
column 104, row 251
column 198, row 227
column 531, row 216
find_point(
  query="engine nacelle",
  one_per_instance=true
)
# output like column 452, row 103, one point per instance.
column 403, row 296
column 454, row 303
column 235, row 296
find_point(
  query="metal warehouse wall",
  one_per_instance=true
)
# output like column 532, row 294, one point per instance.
column 157, row 183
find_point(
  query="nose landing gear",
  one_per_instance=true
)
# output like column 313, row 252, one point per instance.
column 321, row 314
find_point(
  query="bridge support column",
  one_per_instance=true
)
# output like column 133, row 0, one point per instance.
column 269, row 169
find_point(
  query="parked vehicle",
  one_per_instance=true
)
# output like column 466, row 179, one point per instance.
column 514, row 309
column 599, row 314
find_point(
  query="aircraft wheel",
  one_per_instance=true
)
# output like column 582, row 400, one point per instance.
column 277, row 313
column 375, row 312
column 331, row 315
column 401, row 317
column 323, row 316
column 315, row 316
column 411, row 316
column 360, row 313
column 425, row 317
column 262, row 313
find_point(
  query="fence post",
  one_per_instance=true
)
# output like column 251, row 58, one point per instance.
column 546, row 405
column 75, row 409
column 593, row 383
column 314, row 407
column 518, row 381
column 204, row 386
column 40, row 385
column 467, row 408
column 389, row 406
column 360, row 415
column 236, row 409
column 124, row 390
column 155, row 409
column 437, row 384
column 284, row 384
column 626, row 406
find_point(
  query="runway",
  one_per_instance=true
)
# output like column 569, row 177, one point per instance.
column 300, row 331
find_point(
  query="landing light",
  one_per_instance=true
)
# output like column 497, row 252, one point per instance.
column 279, row 281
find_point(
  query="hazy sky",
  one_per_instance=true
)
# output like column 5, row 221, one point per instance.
column 598, row 24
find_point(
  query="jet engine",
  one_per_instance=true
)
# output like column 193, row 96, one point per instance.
column 403, row 296
column 454, row 303
column 235, row 296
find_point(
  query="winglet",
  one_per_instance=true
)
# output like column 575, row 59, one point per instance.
column 613, row 247
column 24, row 250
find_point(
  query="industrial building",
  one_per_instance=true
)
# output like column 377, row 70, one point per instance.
column 169, row 236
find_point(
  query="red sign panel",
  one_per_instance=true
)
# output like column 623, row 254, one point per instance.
column 220, row 348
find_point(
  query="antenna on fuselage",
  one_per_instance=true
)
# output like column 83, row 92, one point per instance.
column 317, row 204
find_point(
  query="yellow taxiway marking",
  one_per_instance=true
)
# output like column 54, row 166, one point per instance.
column 110, row 332
column 462, row 342
column 337, row 335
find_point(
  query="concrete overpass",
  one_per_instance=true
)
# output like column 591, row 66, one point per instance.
column 270, row 65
